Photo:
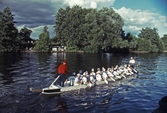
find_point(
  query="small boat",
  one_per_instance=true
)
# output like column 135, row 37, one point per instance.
column 56, row 89
column 162, row 106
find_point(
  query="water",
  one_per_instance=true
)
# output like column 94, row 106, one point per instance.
column 19, row 72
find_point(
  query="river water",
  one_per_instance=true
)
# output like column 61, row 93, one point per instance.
column 19, row 72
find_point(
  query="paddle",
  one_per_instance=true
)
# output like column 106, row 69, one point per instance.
column 54, row 81
column 106, row 81
column 35, row 90
column 79, row 88
column 112, row 79
column 40, row 90
column 133, row 69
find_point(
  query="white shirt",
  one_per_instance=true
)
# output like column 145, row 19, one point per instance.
column 110, row 74
column 132, row 61
column 104, row 75
column 92, row 79
column 76, row 81
column 84, row 80
column 98, row 77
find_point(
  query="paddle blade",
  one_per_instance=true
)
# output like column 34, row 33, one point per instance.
column 106, row 81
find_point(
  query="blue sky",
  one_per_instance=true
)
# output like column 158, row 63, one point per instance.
column 137, row 14
column 156, row 6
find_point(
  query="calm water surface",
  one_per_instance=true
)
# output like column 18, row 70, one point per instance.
column 19, row 72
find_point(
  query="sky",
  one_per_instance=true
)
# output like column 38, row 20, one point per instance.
column 137, row 14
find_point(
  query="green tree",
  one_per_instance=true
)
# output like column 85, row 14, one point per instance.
column 87, row 29
column 69, row 27
column 111, row 24
column 25, row 34
column 93, row 32
column 60, row 26
column 43, row 43
column 9, row 40
column 161, row 45
column 144, row 45
column 132, row 41
column 164, row 40
column 153, row 37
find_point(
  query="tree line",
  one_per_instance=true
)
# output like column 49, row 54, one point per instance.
column 93, row 30
column 81, row 29
column 13, row 40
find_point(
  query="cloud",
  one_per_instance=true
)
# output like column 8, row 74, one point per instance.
column 135, row 20
column 38, row 30
column 90, row 3
column 34, row 14
column 93, row 4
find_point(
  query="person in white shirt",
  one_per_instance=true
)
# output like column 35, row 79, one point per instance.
column 110, row 75
column 84, row 79
column 104, row 75
column 126, row 71
column 98, row 76
column 93, row 73
column 132, row 62
column 77, row 80
column 92, row 79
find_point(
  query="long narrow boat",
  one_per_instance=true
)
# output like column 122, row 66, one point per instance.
column 55, row 89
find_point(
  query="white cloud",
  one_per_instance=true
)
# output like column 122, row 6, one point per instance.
column 38, row 30
column 93, row 4
column 74, row 2
column 36, row 17
column 90, row 3
column 135, row 20
column 165, row 25
column 35, row 14
column 20, row 27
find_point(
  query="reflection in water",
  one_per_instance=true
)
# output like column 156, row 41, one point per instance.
column 18, row 72
column 6, row 61
column 61, row 106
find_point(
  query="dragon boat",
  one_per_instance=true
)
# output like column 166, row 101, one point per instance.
column 56, row 89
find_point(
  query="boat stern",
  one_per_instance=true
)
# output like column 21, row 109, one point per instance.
column 52, row 90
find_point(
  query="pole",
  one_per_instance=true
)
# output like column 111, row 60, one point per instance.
column 54, row 81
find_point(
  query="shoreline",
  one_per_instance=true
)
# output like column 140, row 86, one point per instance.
column 165, row 51
column 31, row 51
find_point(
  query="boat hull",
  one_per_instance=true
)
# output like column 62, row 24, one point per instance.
column 53, row 89
column 82, row 86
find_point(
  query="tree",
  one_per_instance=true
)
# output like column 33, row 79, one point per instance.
column 25, row 34
column 9, row 40
column 144, row 45
column 43, row 43
column 93, row 32
column 69, row 27
column 26, row 40
column 87, row 29
column 164, row 40
column 111, row 24
column 153, row 37
column 132, row 41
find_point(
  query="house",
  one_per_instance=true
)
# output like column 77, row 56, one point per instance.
column 57, row 48
column 27, row 44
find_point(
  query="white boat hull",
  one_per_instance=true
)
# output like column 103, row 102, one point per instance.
column 52, row 89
